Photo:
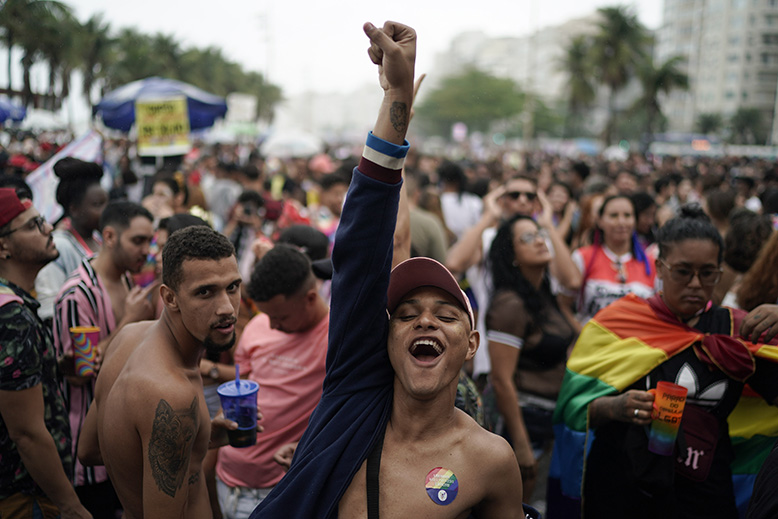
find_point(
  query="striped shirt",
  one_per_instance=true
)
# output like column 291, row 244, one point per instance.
column 82, row 301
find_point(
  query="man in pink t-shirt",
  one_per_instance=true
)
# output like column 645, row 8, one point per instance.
column 283, row 349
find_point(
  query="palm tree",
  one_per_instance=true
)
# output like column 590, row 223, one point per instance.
column 618, row 46
column 747, row 125
column 656, row 81
column 167, row 55
column 131, row 60
column 126, row 58
column 96, row 50
column 580, row 90
column 19, row 23
column 268, row 95
column 57, row 44
column 709, row 123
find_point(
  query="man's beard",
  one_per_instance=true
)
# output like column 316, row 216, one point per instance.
column 41, row 258
column 213, row 347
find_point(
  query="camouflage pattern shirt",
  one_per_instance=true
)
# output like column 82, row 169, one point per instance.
column 27, row 359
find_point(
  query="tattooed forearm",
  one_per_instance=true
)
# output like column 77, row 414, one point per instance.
column 398, row 115
column 172, row 436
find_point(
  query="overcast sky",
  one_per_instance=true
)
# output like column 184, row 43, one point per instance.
column 320, row 46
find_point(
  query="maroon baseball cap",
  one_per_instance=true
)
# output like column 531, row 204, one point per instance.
column 425, row 272
column 10, row 205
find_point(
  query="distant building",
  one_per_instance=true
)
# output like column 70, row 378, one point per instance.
column 731, row 50
column 532, row 61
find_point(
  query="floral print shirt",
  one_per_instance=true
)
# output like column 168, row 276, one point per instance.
column 27, row 359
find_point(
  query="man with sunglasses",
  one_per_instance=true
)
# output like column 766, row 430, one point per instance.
column 520, row 197
column 35, row 442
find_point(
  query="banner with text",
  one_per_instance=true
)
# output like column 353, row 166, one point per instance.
column 163, row 127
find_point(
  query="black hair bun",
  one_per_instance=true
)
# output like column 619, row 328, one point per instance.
column 71, row 169
column 693, row 211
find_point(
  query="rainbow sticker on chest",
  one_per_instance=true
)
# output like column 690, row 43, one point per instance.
column 442, row 486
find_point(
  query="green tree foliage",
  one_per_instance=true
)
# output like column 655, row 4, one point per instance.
column 709, row 123
column 747, row 126
column 22, row 24
column 619, row 45
column 132, row 59
column 268, row 95
column 205, row 68
column 473, row 97
column 619, row 52
column 57, row 45
column 96, row 47
column 657, row 80
column 46, row 31
column 580, row 87
column 18, row 20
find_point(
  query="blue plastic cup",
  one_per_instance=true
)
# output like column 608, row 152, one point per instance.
column 239, row 402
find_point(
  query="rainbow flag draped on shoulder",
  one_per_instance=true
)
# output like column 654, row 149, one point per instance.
column 623, row 343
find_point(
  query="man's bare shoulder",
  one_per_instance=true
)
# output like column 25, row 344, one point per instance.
column 129, row 336
column 492, row 458
column 485, row 447
column 123, row 344
column 142, row 383
column 148, row 373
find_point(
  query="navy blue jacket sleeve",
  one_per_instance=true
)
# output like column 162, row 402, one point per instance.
column 357, row 395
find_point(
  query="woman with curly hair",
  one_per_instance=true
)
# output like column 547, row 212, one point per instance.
column 528, row 341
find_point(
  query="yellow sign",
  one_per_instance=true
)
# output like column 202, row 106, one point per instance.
column 163, row 127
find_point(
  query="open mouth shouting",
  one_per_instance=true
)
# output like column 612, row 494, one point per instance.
column 426, row 350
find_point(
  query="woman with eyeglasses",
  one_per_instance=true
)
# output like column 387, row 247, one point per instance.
column 528, row 343
column 679, row 336
column 615, row 264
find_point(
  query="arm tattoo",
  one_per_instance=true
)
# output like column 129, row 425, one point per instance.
column 194, row 478
column 172, row 436
column 398, row 115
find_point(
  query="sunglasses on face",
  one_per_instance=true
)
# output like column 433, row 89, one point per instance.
column 514, row 195
column 708, row 276
column 38, row 221
column 530, row 237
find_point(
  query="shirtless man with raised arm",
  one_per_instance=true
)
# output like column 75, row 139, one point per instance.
column 390, row 385
column 152, row 422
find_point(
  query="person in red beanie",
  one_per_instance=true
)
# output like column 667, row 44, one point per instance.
column 34, row 431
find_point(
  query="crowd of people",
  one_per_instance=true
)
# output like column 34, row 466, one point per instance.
column 534, row 301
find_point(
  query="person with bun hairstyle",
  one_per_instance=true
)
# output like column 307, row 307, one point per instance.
column 678, row 335
column 76, row 235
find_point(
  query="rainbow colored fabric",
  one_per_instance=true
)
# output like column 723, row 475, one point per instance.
column 620, row 345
